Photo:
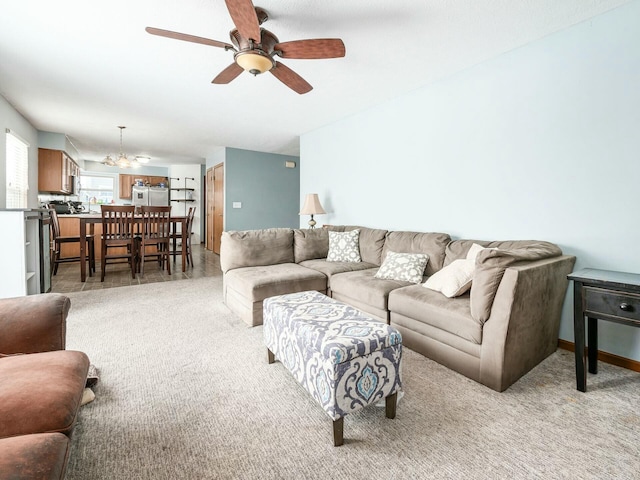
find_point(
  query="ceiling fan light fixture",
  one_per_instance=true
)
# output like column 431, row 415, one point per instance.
column 123, row 161
column 255, row 48
column 254, row 61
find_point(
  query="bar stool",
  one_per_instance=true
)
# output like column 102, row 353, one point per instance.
column 118, row 234
column 156, row 223
column 178, row 235
column 58, row 240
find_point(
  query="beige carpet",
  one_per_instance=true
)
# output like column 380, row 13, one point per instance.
column 185, row 392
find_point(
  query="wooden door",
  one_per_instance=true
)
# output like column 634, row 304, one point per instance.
column 218, row 206
column 209, row 207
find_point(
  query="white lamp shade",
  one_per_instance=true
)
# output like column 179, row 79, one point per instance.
column 312, row 205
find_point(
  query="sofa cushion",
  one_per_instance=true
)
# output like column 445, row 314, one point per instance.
column 452, row 315
column 310, row 243
column 41, row 392
column 343, row 247
column 490, row 267
column 260, row 282
column 454, row 279
column 40, row 456
column 460, row 248
column 371, row 242
column 329, row 269
column 431, row 244
column 473, row 252
column 364, row 287
column 406, row 267
column 256, row 247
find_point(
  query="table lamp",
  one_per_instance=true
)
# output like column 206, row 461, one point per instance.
column 312, row 207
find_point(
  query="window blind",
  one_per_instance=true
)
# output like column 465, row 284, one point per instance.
column 17, row 171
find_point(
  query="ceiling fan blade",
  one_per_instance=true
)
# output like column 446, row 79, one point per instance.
column 314, row 48
column 290, row 78
column 187, row 38
column 244, row 16
column 228, row 74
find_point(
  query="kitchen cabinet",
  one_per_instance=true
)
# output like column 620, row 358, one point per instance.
column 25, row 240
column 155, row 180
column 126, row 181
column 56, row 171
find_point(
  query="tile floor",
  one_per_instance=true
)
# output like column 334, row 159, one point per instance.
column 205, row 264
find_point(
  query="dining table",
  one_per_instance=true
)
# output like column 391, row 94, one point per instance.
column 88, row 219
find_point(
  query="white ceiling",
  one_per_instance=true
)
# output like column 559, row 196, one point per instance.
column 83, row 67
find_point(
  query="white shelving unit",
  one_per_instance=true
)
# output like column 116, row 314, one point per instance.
column 20, row 242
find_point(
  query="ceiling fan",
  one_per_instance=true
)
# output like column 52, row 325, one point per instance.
column 255, row 48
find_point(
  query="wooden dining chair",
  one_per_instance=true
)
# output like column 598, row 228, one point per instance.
column 57, row 240
column 118, row 245
column 178, row 235
column 155, row 235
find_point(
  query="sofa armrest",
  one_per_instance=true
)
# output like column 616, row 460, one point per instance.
column 35, row 323
column 525, row 320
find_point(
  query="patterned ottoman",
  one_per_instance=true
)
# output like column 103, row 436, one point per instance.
column 343, row 358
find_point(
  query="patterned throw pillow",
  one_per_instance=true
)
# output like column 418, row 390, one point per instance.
column 344, row 246
column 406, row 267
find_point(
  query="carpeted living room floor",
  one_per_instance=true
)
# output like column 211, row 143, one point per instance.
column 185, row 392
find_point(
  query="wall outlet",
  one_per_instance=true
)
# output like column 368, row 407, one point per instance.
column 237, row 204
column 290, row 164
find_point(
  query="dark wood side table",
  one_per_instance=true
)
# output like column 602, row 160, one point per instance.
column 601, row 295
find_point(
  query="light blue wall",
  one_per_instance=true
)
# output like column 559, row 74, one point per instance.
column 215, row 157
column 540, row 143
column 12, row 120
column 59, row 141
column 269, row 192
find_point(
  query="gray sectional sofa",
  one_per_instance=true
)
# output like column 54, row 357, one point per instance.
column 505, row 325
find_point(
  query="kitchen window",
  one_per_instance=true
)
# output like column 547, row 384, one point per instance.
column 96, row 190
column 17, row 171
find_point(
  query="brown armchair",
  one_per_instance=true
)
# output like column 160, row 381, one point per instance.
column 41, row 385
column 32, row 324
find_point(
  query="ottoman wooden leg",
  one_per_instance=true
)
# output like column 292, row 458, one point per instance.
column 270, row 356
column 390, row 405
column 338, row 425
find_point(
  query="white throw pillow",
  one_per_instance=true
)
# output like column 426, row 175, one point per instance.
column 454, row 279
column 344, row 246
column 406, row 267
column 475, row 250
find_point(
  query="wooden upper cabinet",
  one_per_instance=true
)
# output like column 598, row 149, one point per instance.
column 157, row 180
column 56, row 170
column 126, row 181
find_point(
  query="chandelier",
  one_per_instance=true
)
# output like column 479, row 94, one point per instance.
column 123, row 161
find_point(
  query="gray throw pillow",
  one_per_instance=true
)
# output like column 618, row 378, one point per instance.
column 344, row 246
column 405, row 267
